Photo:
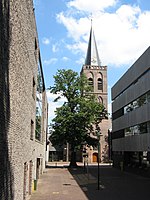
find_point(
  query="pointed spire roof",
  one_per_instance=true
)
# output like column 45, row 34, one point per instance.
column 92, row 57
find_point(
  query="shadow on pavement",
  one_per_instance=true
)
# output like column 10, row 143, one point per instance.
column 52, row 167
column 114, row 184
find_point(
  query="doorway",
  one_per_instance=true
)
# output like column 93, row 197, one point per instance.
column 95, row 155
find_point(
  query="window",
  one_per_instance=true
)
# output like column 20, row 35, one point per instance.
column 36, row 49
column 128, row 132
column 137, row 129
column 142, row 100
column 143, row 128
column 125, row 109
column 117, row 114
column 38, row 129
column 100, row 99
column 129, row 107
column 32, row 130
column 135, row 104
column 35, row 44
column 148, row 96
column 30, row 176
column 33, row 88
column 100, row 84
column 91, row 82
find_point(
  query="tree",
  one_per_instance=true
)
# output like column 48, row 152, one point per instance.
column 75, row 118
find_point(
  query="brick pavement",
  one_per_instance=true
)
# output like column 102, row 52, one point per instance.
column 58, row 184
column 61, row 183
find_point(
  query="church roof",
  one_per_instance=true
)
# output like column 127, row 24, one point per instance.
column 92, row 57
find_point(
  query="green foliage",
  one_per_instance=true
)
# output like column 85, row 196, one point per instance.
column 73, row 121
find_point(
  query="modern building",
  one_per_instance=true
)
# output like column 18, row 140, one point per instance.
column 131, row 115
column 23, row 102
column 97, row 77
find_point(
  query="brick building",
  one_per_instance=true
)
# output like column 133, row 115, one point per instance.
column 97, row 77
column 23, row 102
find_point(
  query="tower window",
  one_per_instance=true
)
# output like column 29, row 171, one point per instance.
column 100, row 84
column 91, row 82
column 100, row 99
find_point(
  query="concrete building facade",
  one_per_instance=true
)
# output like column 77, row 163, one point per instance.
column 97, row 77
column 23, row 102
column 131, row 115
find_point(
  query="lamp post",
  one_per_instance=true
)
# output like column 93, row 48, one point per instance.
column 67, row 152
column 98, row 133
column 98, row 159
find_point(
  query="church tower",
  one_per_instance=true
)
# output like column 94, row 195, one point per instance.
column 95, row 73
column 97, row 77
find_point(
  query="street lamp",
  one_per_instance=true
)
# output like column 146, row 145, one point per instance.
column 98, row 159
column 98, row 134
column 103, row 115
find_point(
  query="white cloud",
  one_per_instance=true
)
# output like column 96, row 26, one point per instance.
column 71, row 25
column 50, row 61
column 55, row 48
column 53, row 105
column 77, row 47
column 122, row 36
column 65, row 58
column 80, row 61
column 91, row 6
column 46, row 41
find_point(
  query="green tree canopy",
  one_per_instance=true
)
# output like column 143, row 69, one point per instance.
column 74, row 119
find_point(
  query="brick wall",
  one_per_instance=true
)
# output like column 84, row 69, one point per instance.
column 18, row 66
column 6, row 171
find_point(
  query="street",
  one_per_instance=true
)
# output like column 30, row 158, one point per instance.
column 114, row 185
column 61, row 183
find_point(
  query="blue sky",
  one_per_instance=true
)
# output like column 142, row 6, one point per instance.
column 122, row 31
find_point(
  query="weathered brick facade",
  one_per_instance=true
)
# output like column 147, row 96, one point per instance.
column 22, row 157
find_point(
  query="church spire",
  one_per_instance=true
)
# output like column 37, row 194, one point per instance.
column 92, row 57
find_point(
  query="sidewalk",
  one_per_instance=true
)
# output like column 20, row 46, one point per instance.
column 58, row 184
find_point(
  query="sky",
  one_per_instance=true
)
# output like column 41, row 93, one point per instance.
column 122, row 32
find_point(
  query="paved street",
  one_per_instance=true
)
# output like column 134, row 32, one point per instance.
column 58, row 183
column 75, row 184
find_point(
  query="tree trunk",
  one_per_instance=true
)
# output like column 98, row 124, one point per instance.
column 73, row 159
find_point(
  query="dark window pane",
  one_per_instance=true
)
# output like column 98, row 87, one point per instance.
column 100, row 84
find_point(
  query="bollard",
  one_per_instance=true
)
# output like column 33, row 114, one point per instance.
column 121, row 166
column 35, row 184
